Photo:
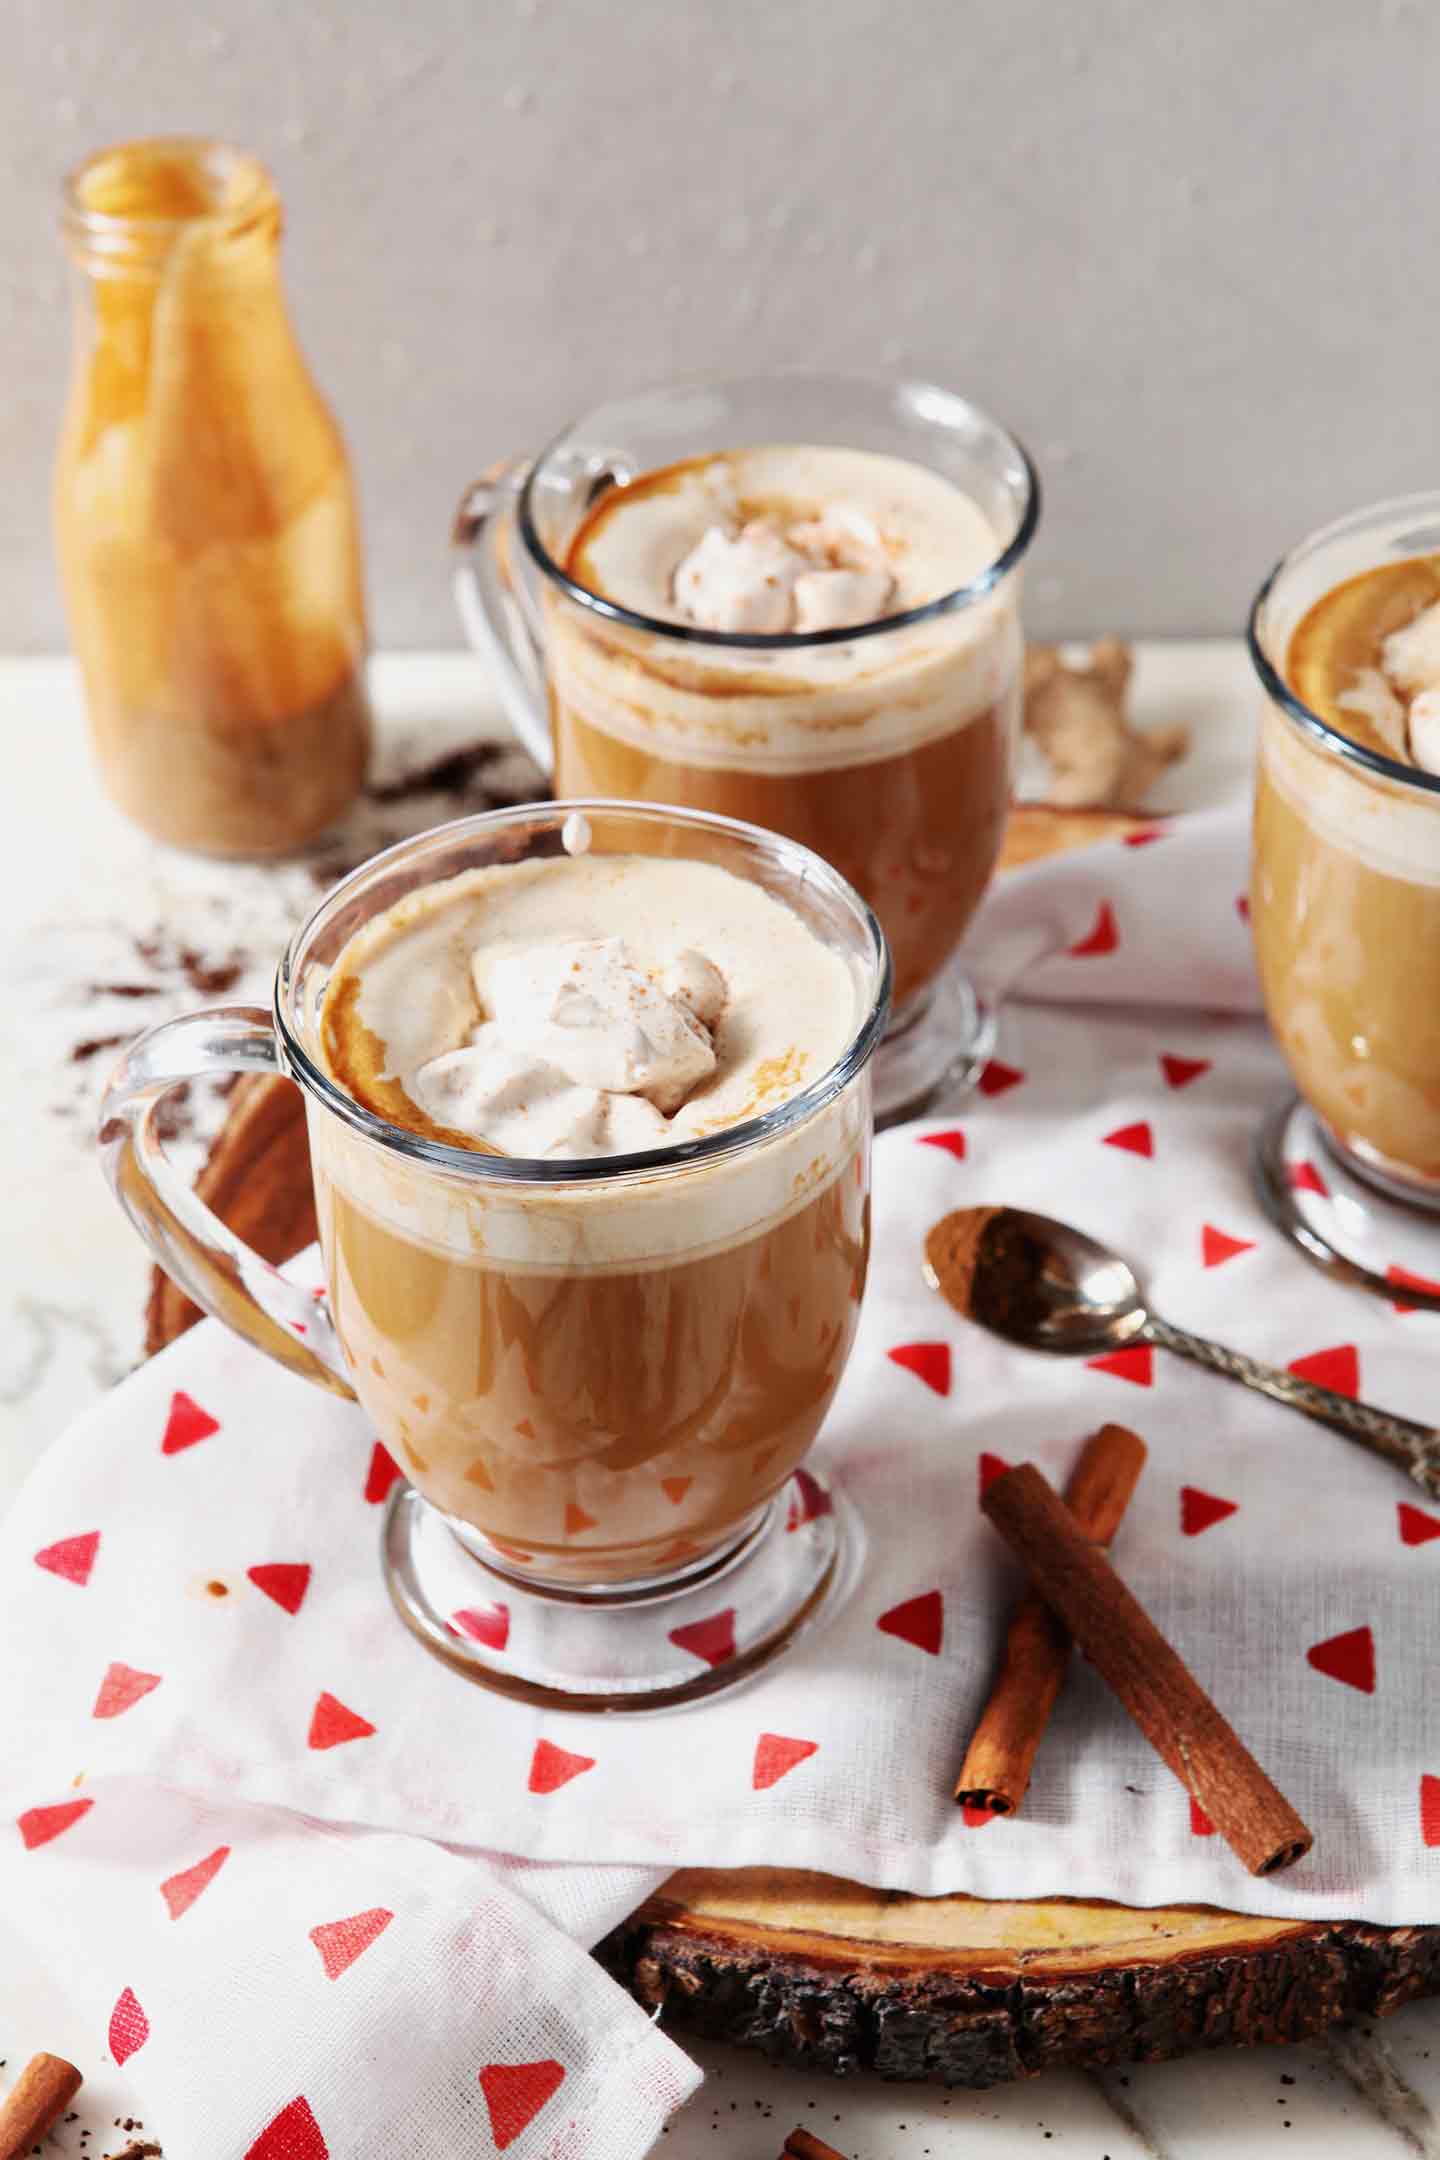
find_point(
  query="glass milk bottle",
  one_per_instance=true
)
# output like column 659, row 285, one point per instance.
column 205, row 514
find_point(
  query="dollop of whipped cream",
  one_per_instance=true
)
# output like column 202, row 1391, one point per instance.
column 581, row 1054
column 822, row 573
column 1402, row 696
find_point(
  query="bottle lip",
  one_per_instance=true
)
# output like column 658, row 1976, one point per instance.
column 233, row 190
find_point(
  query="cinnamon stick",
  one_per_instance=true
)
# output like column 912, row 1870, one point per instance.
column 1126, row 1648
column 996, row 1772
column 803, row 2144
column 35, row 2103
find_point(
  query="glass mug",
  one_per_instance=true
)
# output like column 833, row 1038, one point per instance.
column 886, row 747
column 1345, row 909
column 599, row 1376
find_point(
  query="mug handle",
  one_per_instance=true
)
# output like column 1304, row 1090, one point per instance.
column 209, row 1262
column 494, row 607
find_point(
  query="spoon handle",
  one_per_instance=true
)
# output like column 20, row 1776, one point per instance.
column 1415, row 1448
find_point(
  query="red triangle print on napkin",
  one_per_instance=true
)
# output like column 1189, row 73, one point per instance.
column 1200, row 1823
column 383, row 1472
column 1304, row 1177
column 1242, row 906
column 1416, row 1527
column 1338, row 1368
column 920, row 1620
column 331, row 1724
column 929, row 1361
column 577, row 1520
column 1137, row 1364
column 1136, row 1139
column 1102, row 939
column 515, row 2094
column 284, row 1581
column 1217, row 1246
column 487, row 1624
column 121, row 1688
column 38, row 1825
column 1349, row 1657
column 776, row 1756
column 340, row 1942
column 712, row 1640
column 1201, row 1510
column 1180, row 1071
column 996, row 1078
column 1430, row 1810
column 180, row 1891
column 1145, row 837
column 675, row 1488
column 129, row 2027
column 991, row 1467
column 73, row 1557
column 551, row 1767
column 975, row 1818
column 186, row 1424
column 953, row 1142
column 808, row 1501
column 294, row 2135
column 1404, row 1280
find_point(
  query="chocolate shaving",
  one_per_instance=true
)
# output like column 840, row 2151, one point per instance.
column 453, row 774
column 84, row 1051
column 211, row 978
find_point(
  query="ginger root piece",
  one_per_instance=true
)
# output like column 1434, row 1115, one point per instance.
column 1075, row 718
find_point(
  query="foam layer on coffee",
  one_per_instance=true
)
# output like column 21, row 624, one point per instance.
column 1382, row 824
column 796, row 539
column 742, row 1006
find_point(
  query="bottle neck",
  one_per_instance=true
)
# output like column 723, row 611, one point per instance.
column 135, row 211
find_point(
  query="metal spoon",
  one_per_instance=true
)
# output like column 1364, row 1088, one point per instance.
column 1041, row 1284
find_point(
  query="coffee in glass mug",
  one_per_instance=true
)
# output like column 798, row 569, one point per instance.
column 791, row 600
column 587, row 1094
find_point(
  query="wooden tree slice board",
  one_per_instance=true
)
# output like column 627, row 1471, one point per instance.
column 829, row 1975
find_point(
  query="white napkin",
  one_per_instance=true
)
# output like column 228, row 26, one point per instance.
column 1298, row 1576
column 290, row 1989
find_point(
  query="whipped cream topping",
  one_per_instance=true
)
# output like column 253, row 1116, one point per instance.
column 1411, row 656
column 581, row 1055
column 584, row 1006
column 1370, row 696
column 785, row 536
column 1424, row 725
column 820, row 573
column 1401, row 698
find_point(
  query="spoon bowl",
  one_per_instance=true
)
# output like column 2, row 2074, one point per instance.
column 1046, row 1286
column 1039, row 1283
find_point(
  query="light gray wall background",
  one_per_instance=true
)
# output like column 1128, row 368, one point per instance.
column 1190, row 252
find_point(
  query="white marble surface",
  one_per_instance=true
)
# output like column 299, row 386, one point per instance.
column 78, row 889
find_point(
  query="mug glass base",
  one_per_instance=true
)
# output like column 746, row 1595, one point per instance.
column 937, row 1043
column 644, row 1646
column 1347, row 1215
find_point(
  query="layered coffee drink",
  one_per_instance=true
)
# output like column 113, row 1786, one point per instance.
column 887, row 751
column 606, row 1362
column 1346, row 898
